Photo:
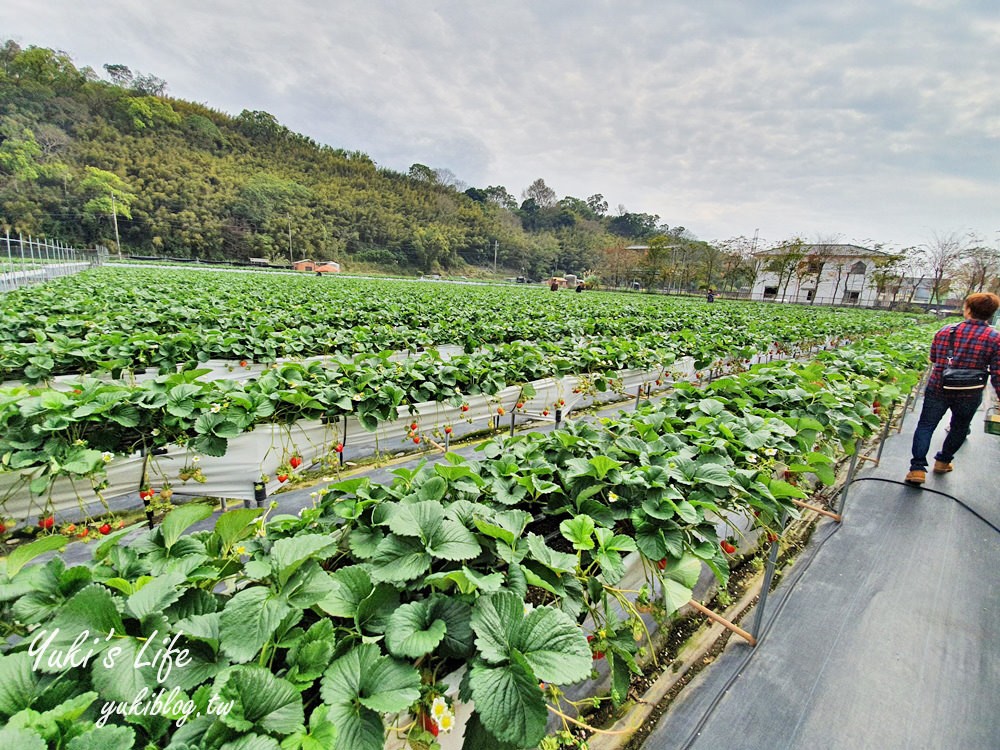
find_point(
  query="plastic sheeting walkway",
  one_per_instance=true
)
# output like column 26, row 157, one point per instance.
column 884, row 634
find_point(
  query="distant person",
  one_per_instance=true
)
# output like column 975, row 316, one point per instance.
column 580, row 287
column 710, row 297
column 974, row 345
column 554, row 286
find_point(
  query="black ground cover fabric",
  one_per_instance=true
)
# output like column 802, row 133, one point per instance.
column 885, row 634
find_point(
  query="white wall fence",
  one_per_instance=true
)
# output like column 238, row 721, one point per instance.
column 33, row 260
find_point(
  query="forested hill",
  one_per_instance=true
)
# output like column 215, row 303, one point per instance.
column 187, row 181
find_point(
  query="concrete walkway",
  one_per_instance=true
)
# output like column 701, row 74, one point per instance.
column 884, row 634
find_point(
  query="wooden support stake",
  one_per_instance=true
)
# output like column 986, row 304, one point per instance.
column 816, row 509
column 868, row 458
column 724, row 622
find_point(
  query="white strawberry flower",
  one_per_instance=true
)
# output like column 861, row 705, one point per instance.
column 439, row 707
column 612, row 497
column 442, row 715
column 446, row 722
column 751, row 458
column 216, row 408
column 106, row 456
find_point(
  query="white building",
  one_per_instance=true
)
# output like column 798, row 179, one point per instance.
column 818, row 274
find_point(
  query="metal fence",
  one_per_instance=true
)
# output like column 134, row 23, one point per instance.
column 32, row 261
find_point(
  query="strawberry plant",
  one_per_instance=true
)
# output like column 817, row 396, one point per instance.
column 317, row 627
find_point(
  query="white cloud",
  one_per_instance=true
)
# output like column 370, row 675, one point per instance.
column 871, row 120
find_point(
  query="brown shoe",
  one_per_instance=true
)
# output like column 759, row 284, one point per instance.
column 940, row 467
column 916, row 476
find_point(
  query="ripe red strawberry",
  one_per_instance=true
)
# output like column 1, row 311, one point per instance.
column 416, row 438
column 520, row 405
column 727, row 547
column 662, row 564
column 597, row 654
column 545, row 412
column 464, row 407
column 47, row 522
column 84, row 532
column 447, row 430
column 500, row 411
column 428, row 723
column 414, row 426
column 772, row 537
column 243, row 363
column 3, row 528
column 295, row 462
column 105, row 528
column 561, row 403
column 282, row 477
column 340, row 447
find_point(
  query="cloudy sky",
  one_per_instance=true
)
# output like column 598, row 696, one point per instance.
column 872, row 121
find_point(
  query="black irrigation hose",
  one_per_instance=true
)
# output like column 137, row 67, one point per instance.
column 792, row 580
column 971, row 510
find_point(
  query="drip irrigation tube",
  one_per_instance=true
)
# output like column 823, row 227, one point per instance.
column 792, row 581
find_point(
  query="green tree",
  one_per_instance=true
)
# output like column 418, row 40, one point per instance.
column 498, row 195
column 432, row 248
column 423, row 173
column 108, row 197
column 265, row 195
column 149, row 112
column 19, row 157
column 120, row 75
column 654, row 264
column 597, row 204
column 637, row 226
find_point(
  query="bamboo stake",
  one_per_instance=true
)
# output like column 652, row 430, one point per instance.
column 724, row 622
column 817, row 509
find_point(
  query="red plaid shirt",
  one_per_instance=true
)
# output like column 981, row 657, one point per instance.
column 977, row 345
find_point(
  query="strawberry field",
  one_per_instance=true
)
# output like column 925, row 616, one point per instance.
column 474, row 586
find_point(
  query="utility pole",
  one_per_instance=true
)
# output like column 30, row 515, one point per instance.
column 291, row 258
column 496, row 244
column 114, row 214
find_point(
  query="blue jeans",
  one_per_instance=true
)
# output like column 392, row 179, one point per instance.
column 963, row 409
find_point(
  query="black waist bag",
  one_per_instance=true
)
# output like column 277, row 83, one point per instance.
column 961, row 378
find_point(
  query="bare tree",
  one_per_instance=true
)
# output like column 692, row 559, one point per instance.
column 784, row 261
column 979, row 270
column 449, row 179
column 942, row 257
column 543, row 195
column 740, row 264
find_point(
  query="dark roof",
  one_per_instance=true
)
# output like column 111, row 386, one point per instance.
column 827, row 251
